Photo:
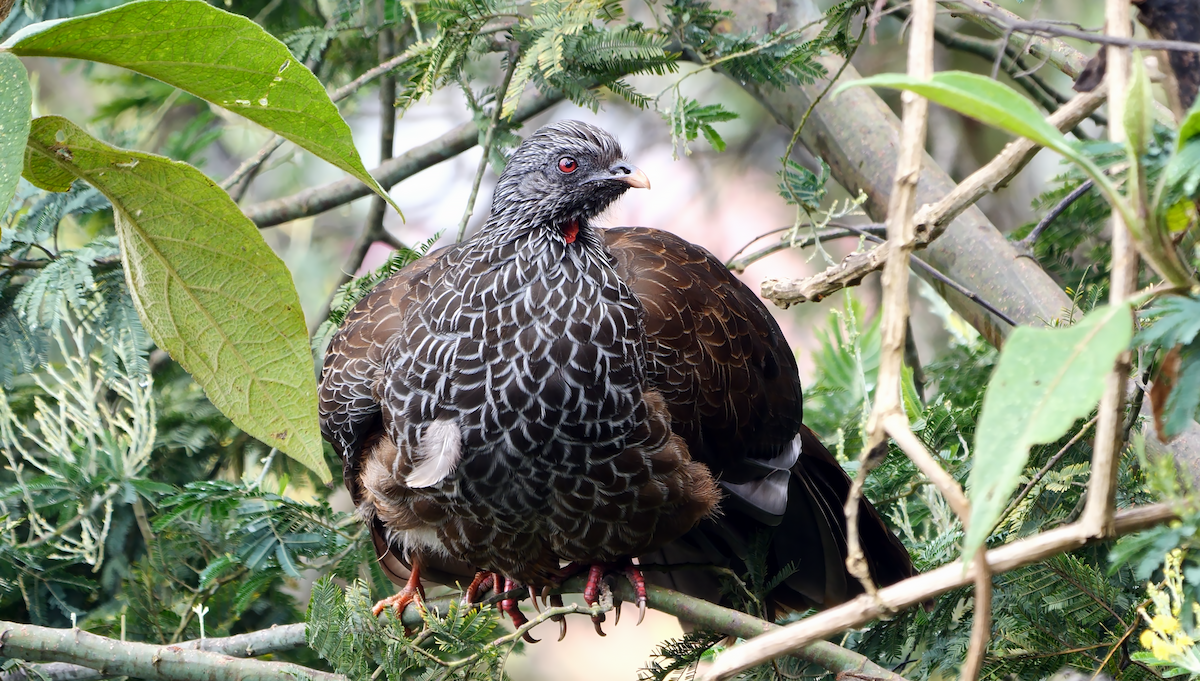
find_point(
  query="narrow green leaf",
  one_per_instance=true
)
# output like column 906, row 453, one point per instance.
column 1046, row 380
column 207, row 287
column 1139, row 109
column 16, row 99
column 981, row 98
column 224, row 58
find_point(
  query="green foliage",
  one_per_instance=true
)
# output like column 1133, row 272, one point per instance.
column 1176, row 323
column 678, row 658
column 689, row 119
column 459, row 644
column 800, row 186
column 209, row 289
column 348, row 294
column 220, row 57
column 16, row 98
column 1046, row 380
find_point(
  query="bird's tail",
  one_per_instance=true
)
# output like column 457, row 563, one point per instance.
column 805, row 545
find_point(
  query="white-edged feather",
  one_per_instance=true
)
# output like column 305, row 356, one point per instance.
column 437, row 455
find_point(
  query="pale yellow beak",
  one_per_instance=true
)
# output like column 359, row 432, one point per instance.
column 637, row 179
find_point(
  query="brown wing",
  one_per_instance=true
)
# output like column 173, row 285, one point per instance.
column 733, row 389
column 713, row 350
column 348, row 407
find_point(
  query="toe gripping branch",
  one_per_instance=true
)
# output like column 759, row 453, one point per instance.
column 597, row 572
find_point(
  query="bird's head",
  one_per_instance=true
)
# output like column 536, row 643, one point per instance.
column 562, row 176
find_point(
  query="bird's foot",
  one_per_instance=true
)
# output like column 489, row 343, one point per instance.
column 412, row 592
column 483, row 581
column 592, row 590
column 509, row 607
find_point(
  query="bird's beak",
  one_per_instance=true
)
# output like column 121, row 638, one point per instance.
column 634, row 178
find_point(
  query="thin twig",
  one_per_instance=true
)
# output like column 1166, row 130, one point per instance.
column 1025, row 246
column 897, row 426
column 1110, row 38
column 249, row 168
column 514, row 53
column 981, row 620
column 833, row 230
column 327, row 197
column 1049, row 465
column 935, row 274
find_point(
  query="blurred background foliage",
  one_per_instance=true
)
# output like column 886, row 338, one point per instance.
column 127, row 500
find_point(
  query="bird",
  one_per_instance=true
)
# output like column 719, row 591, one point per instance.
column 550, row 396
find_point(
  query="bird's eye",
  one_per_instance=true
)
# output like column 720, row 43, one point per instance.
column 567, row 164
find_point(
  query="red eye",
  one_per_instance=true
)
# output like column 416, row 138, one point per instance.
column 567, row 164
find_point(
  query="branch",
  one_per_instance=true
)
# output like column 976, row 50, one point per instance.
column 514, row 53
column 1097, row 516
column 932, row 219
column 1011, row 23
column 277, row 639
column 921, row 588
column 142, row 660
column 95, row 657
column 998, row 21
column 388, row 174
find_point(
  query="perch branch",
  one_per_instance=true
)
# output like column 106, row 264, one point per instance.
column 388, row 174
column 1097, row 519
column 277, row 639
column 213, row 659
column 921, row 588
column 932, row 219
column 142, row 660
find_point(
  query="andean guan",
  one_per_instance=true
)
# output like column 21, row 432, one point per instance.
column 549, row 397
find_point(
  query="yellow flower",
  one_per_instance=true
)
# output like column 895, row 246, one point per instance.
column 1164, row 623
column 1162, row 649
column 1184, row 641
column 1147, row 639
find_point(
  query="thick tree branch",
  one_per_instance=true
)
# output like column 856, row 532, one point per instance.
column 921, row 588
column 277, row 639
column 933, row 218
column 388, row 174
column 142, row 660
column 96, row 657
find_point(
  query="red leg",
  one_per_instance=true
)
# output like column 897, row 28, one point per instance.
column 509, row 606
column 478, row 585
column 412, row 592
column 591, row 593
column 639, row 588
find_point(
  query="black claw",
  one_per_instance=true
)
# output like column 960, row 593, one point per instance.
column 596, row 620
column 562, row 628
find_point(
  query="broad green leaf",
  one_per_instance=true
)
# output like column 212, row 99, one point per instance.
column 208, row 288
column 981, row 98
column 1046, row 380
column 1190, row 127
column 221, row 57
column 16, row 100
column 1139, row 109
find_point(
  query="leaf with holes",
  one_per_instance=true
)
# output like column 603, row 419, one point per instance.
column 208, row 288
column 221, row 57
column 1045, row 381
